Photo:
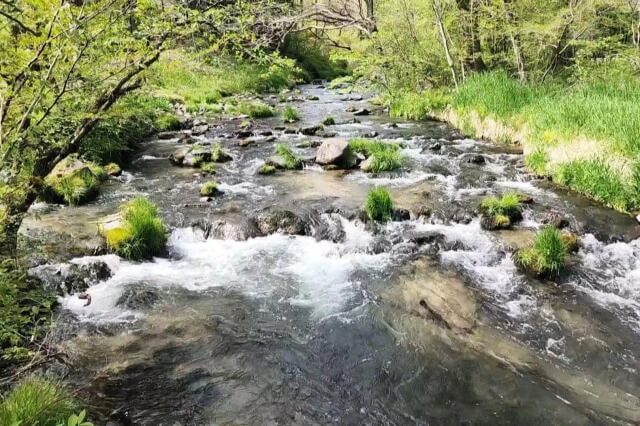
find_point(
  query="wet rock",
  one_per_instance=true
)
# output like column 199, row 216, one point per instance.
column 434, row 146
column 199, row 130
column 290, row 131
column 392, row 126
column 326, row 134
column 495, row 222
column 169, row 135
column 311, row 130
column 284, row 221
column 178, row 155
column 69, row 278
column 196, row 156
column 309, row 144
column 571, row 241
column 243, row 134
column 471, row 158
column 440, row 297
column 312, row 98
column 361, row 112
column 138, row 297
column 365, row 166
column 370, row 135
column 556, row 220
column 198, row 122
column 428, row 237
column 351, row 108
column 279, row 128
column 400, row 214
column 330, row 228
column 246, row 142
column 279, row 163
column 337, row 152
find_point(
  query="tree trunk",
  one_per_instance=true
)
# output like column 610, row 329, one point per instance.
column 473, row 60
column 515, row 42
column 14, row 211
column 444, row 39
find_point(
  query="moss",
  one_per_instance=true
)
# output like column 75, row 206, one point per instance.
column 208, row 167
column 546, row 256
column 73, row 187
column 266, row 169
column 142, row 233
column 378, row 206
column 329, row 121
column 502, row 221
column 290, row 115
column 37, row 402
column 209, row 189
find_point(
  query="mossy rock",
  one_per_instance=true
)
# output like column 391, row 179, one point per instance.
column 209, row 189
column 112, row 169
column 73, row 182
column 266, row 169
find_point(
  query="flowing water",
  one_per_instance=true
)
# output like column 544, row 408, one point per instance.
column 340, row 329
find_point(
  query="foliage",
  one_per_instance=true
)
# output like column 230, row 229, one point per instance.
column 547, row 255
column 290, row 114
column 378, row 206
column 537, row 162
column 142, row 232
column 25, row 312
column 417, row 106
column 209, row 188
column 38, row 401
column 313, row 57
column 291, row 160
column 368, row 147
column 266, row 169
column 218, row 155
column 328, row 121
column 595, row 178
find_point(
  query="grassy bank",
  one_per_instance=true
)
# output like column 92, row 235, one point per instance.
column 586, row 135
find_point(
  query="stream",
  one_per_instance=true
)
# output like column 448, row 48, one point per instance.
column 337, row 326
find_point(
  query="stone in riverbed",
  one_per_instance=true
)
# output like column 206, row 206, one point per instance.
column 138, row 297
column 196, row 156
column 311, row 130
column 336, row 151
column 284, row 221
column 178, row 155
column 365, row 166
column 199, row 130
column 361, row 112
column 473, row 159
column 69, row 278
column 169, row 134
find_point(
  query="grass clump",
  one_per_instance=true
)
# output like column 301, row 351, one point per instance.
column 546, row 256
column 266, row 169
column 537, row 162
column 209, row 189
column 37, row 402
column 208, row 168
column 141, row 234
column 383, row 156
column 290, row 114
column 254, row 109
column 219, row 155
column 501, row 213
column 378, row 206
column 329, row 121
column 290, row 160
column 73, row 182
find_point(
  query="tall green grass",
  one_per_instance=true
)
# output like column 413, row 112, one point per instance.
column 142, row 233
column 291, row 160
column 37, row 402
column 384, row 156
column 547, row 255
column 379, row 205
column 417, row 106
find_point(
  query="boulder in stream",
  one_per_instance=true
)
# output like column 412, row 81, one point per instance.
column 284, row 221
column 337, row 152
column 311, row 130
column 138, row 297
column 69, row 278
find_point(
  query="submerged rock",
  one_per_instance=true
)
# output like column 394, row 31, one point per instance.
column 69, row 278
column 284, row 221
column 138, row 297
column 470, row 158
column 336, row 152
column 361, row 112
column 311, row 130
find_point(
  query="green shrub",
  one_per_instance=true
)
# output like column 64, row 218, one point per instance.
column 313, row 57
column 547, row 255
column 208, row 167
column 25, row 312
column 142, row 232
column 290, row 114
column 329, row 121
column 339, row 81
column 166, row 122
column 209, row 189
column 379, row 206
column 37, row 402
column 291, row 160
column 266, row 169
